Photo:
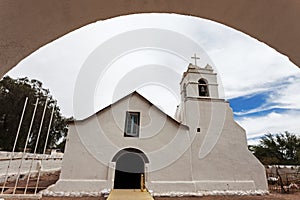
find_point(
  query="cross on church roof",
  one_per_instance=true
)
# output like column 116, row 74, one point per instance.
column 195, row 58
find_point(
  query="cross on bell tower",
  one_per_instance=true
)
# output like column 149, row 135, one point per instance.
column 195, row 58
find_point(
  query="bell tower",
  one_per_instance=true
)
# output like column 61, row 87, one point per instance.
column 198, row 84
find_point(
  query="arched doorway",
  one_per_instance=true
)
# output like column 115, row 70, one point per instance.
column 130, row 167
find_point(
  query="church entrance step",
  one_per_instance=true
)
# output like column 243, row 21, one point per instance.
column 129, row 194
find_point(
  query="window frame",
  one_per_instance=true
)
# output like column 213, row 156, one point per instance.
column 132, row 126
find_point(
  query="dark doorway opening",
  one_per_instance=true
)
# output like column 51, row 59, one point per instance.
column 130, row 166
column 126, row 180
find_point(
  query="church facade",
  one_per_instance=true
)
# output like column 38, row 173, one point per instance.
column 132, row 143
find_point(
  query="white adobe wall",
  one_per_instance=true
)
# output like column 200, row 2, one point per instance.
column 92, row 144
column 180, row 160
column 220, row 155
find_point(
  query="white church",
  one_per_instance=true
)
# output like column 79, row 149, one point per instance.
column 132, row 142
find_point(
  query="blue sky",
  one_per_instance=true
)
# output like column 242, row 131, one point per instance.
column 269, row 110
column 261, row 85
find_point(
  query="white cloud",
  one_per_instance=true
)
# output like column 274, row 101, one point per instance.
column 272, row 123
column 247, row 65
column 281, row 95
column 288, row 96
column 284, row 96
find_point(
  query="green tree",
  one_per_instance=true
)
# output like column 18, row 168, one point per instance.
column 282, row 148
column 13, row 93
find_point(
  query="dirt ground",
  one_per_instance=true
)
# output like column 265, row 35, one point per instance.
column 294, row 196
column 50, row 178
column 272, row 196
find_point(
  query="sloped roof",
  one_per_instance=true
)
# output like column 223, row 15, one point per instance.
column 130, row 94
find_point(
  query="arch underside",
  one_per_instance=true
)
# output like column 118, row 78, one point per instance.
column 131, row 150
column 27, row 25
column 130, row 167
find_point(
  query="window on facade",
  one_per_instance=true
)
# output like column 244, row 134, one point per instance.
column 132, row 124
column 203, row 88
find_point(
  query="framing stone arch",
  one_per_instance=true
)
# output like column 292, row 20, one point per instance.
column 129, row 169
column 27, row 25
